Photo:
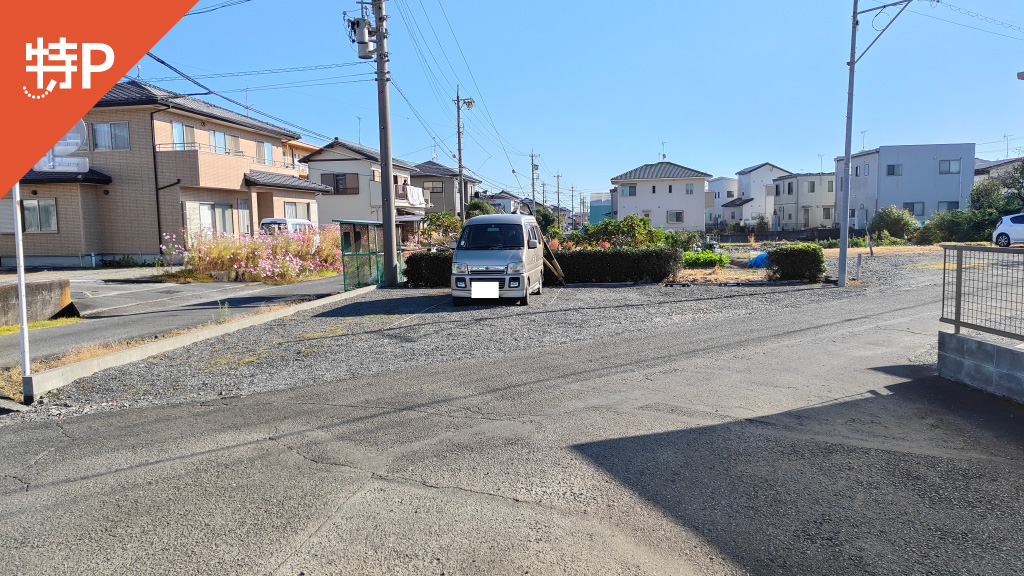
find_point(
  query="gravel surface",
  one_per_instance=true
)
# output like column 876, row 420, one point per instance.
column 401, row 328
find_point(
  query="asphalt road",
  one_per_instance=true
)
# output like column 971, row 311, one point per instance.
column 116, row 310
column 811, row 437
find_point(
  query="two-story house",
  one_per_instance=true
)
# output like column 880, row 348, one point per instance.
column 922, row 179
column 161, row 163
column 503, row 202
column 352, row 175
column 669, row 195
column 803, row 201
column 722, row 189
column 752, row 198
column 994, row 169
column 439, row 183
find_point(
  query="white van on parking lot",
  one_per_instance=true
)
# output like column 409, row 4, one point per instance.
column 498, row 256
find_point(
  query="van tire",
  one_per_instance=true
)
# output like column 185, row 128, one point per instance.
column 540, row 286
column 457, row 301
column 525, row 300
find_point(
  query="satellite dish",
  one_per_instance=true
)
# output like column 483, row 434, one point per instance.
column 58, row 158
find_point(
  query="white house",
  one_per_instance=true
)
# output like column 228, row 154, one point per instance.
column 722, row 189
column 353, row 173
column 803, row 201
column 504, row 202
column 669, row 195
column 921, row 178
column 753, row 199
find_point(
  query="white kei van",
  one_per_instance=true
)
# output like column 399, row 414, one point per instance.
column 498, row 256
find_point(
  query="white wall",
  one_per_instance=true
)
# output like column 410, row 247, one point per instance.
column 363, row 206
column 790, row 208
column 661, row 201
column 753, row 185
column 720, row 187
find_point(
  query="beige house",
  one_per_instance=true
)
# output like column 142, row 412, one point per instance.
column 803, row 201
column 671, row 196
column 160, row 163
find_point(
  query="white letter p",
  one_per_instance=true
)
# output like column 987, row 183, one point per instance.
column 87, row 66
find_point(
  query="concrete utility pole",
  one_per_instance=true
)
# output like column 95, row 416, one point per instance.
column 533, row 180
column 459, row 103
column 572, row 206
column 844, row 197
column 558, row 196
column 544, row 193
column 386, row 166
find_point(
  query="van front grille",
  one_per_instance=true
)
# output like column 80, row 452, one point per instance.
column 501, row 282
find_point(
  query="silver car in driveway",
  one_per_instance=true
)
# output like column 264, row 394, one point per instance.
column 498, row 256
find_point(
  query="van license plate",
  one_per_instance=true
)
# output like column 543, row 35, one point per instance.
column 484, row 289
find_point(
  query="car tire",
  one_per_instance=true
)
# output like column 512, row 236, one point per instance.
column 1003, row 240
column 540, row 286
column 457, row 301
column 525, row 300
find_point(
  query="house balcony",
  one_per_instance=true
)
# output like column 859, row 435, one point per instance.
column 407, row 196
column 199, row 164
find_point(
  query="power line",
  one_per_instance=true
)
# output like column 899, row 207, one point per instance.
column 215, row 7
column 257, row 72
column 961, row 24
column 237, row 103
column 304, row 83
column 979, row 16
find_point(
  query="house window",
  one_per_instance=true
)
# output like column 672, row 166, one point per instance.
column 341, row 183
column 809, row 187
column 831, row 186
column 221, row 143
column 39, row 215
column 375, row 174
column 110, row 136
column 184, row 136
column 733, row 216
column 946, row 206
column 915, row 208
column 647, row 214
column 299, row 210
column 216, row 218
column 856, row 170
column 778, row 189
column 295, row 160
column 789, row 188
column 826, row 213
column 674, row 217
column 949, row 166
column 265, row 153
column 853, row 212
column 654, row 189
column 669, row 188
column 867, row 169
column 894, row 170
column 730, row 194
column 629, row 190
column 689, row 189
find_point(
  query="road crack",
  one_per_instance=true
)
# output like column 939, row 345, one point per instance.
column 24, row 482
column 60, row 426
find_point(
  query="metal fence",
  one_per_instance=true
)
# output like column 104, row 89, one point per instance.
column 983, row 290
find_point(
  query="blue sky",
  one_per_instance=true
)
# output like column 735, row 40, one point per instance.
column 595, row 87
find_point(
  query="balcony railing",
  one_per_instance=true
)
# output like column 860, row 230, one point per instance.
column 223, row 151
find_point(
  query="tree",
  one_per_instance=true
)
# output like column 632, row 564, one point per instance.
column 898, row 222
column 987, row 195
column 1013, row 181
column 440, row 228
column 762, row 225
column 548, row 221
column 478, row 208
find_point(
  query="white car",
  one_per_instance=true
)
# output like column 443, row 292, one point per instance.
column 272, row 225
column 1009, row 231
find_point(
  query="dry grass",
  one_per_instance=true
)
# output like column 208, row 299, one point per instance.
column 10, row 377
column 886, row 250
column 41, row 324
column 719, row 275
column 184, row 276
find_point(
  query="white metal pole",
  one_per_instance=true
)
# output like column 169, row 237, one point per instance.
column 26, row 365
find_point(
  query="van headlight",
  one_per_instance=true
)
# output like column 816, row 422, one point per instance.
column 516, row 267
column 460, row 268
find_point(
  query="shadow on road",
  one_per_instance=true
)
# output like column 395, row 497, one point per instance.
column 881, row 484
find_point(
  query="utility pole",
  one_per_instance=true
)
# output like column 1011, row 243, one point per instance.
column 844, row 197
column 533, row 180
column 544, row 193
column 459, row 103
column 558, row 196
column 572, row 206
column 386, row 165
column 359, row 119
column 1007, row 138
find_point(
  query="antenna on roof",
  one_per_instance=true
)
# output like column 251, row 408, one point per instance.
column 138, row 71
column 663, row 150
column 434, row 157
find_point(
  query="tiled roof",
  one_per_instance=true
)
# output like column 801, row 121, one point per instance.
column 138, row 93
column 661, row 171
column 761, row 165
column 364, row 151
column 93, row 176
column 737, row 202
column 985, row 166
column 432, row 168
column 803, row 175
column 270, row 179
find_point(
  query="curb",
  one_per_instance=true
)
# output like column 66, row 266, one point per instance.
column 43, row 382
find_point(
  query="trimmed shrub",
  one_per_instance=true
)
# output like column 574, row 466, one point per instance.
column 801, row 261
column 616, row 265
column 704, row 259
column 896, row 221
column 429, row 269
column 854, row 242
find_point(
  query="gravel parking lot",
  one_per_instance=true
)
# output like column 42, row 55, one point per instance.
column 401, row 328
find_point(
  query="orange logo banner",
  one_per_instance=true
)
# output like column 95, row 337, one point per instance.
column 59, row 58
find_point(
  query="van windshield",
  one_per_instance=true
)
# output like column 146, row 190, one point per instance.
column 491, row 237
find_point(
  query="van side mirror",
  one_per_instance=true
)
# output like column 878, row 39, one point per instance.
column 452, row 244
column 531, row 244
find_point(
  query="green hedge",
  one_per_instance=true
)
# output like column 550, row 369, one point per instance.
column 705, row 259
column 429, row 269
column 801, row 261
column 615, row 265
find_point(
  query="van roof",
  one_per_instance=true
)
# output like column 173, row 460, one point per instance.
column 501, row 219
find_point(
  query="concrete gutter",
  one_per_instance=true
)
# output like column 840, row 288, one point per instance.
column 42, row 382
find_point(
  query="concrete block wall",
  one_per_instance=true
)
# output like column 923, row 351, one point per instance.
column 45, row 299
column 990, row 367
